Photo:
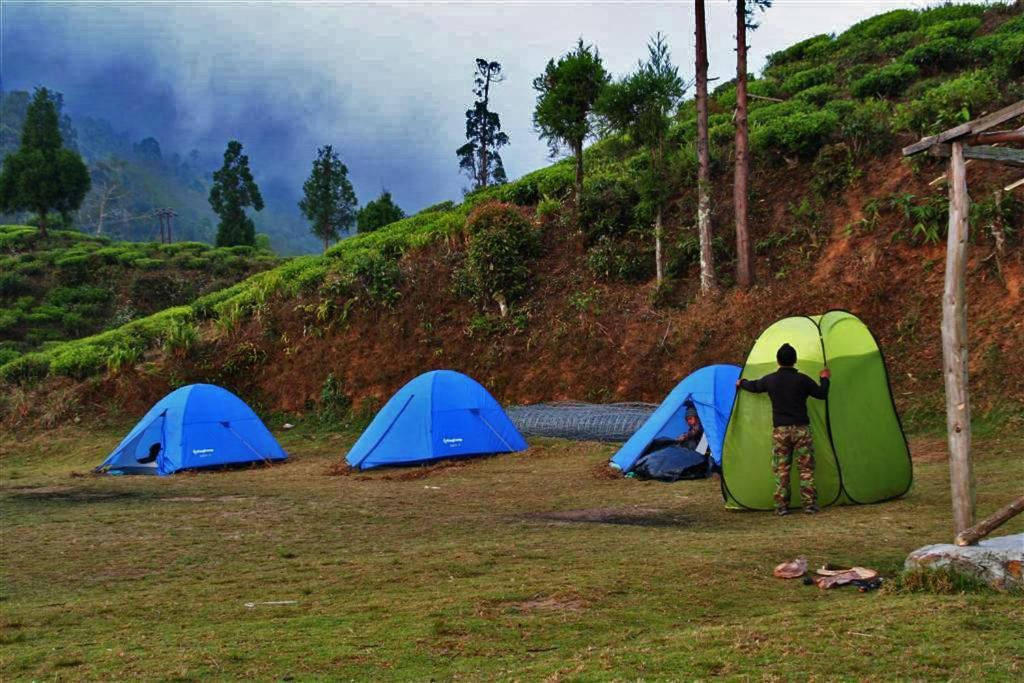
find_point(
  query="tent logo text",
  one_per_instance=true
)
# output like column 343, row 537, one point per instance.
column 452, row 441
column 202, row 451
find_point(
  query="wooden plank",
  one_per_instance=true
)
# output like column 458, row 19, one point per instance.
column 995, row 118
column 990, row 523
column 1014, row 185
column 954, row 345
column 975, row 126
column 1003, row 155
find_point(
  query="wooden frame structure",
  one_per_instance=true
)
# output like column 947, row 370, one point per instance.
column 971, row 140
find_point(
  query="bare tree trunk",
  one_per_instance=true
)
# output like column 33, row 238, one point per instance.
column 744, row 259
column 954, row 345
column 103, row 208
column 578, row 151
column 42, row 224
column 484, row 170
column 707, row 264
column 659, row 268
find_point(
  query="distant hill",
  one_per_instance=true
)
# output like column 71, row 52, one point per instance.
column 71, row 285
column 130, row 179
column 838, row 220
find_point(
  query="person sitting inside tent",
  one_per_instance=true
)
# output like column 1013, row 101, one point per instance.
column 154, row 451
column 788, row 390
column 696, row 432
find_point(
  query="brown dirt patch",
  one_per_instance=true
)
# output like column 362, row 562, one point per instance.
column 552, row 603
column 631, row 516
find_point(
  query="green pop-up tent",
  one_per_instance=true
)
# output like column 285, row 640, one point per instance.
column 861, row 453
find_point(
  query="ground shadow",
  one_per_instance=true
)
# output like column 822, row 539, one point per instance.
column 651, row 517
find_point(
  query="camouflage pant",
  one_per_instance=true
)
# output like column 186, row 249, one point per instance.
column 789, row 442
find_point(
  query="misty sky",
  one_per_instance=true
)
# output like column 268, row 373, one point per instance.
column 386, row 83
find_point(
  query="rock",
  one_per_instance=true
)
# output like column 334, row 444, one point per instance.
column 287, row 425
column 997, row 560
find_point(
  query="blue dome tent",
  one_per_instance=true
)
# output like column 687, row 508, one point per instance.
column 199, row 425
column 711, row 390
column 440, row 414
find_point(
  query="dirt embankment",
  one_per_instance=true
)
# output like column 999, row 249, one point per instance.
column 581, row 338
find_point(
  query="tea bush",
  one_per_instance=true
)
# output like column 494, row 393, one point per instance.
column 501, row 244
column 947, row 104
column 953, row 28
column 887, row 81
column 826, row 73
column 940, row 54
column 620, row 259
column 799, row 135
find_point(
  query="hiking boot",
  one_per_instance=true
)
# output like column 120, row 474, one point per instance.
column 812, row 510
column 781, row 512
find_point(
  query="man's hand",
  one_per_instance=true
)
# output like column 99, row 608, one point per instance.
column 738, row 383
column 825, row 373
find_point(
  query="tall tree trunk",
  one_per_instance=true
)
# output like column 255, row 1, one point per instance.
column 578, row 151
column 658, row 265
column 326, row 244
column 103, row 209
column 484, row 169
column 42, row 224
column 707, row 264
column 744, row 259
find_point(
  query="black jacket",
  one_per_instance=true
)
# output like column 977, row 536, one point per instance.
column 788, row 389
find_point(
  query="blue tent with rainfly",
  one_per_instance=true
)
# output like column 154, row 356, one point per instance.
column 199, row 425
column 440, row 414
column 711, row 390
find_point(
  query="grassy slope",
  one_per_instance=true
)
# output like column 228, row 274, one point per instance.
column 73, row 285
column 460, row 571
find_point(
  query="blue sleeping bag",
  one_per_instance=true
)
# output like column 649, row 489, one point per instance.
column 667, row 460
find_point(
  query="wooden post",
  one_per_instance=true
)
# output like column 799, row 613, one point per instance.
column 954, row 345
column 990, row 523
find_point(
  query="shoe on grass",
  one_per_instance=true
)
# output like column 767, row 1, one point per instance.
column 781, row 512
column 812, row 510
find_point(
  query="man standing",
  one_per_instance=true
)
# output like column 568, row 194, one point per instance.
column 788, row 390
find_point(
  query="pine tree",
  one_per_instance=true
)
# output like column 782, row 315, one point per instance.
column 378, row 213
column 234, row 189
column 567, row 91
column 479, row 157
column 329, row 202
column 43, row 175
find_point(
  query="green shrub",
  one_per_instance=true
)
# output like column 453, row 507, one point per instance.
column 686, row 254
column 814, row 47
column 880, row 26
column 123, row 356
column 826, row 73
column 335, row 404
column 949, row 12
column 770, row 112
column 25, row 369
column 833, row 169
column 607, row 206
column 501, row 243
column 818, row 94
column 947, row 104
column 13, row 284
column 180, row 338
column 895, row 46
column 941, row 54
column 446, row 205
column 523, row 193
column 78, row 360
column 887, row 81
column 9, row 319
column 147, row 263
column 7, row 355
column 548, row 208
column 722, row 135
column 1004, row 51
column 380, row 278
column 955, row 28
column 800, row 134
column 620, row 259
column 864, row 126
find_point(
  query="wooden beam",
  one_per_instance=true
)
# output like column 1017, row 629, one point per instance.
column 954, row 345
column 976, row 126
column 995, row 136
column 990, row 523
column 997, row 117
column 1003, row 155
column 1014, row 185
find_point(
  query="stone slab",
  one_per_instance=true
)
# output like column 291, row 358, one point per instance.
column 998, row 560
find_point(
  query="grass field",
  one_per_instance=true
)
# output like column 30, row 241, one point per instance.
column 534, row 566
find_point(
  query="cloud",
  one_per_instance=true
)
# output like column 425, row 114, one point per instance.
column 386, row 84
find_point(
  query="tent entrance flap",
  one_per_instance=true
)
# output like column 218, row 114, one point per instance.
column 142, row 454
